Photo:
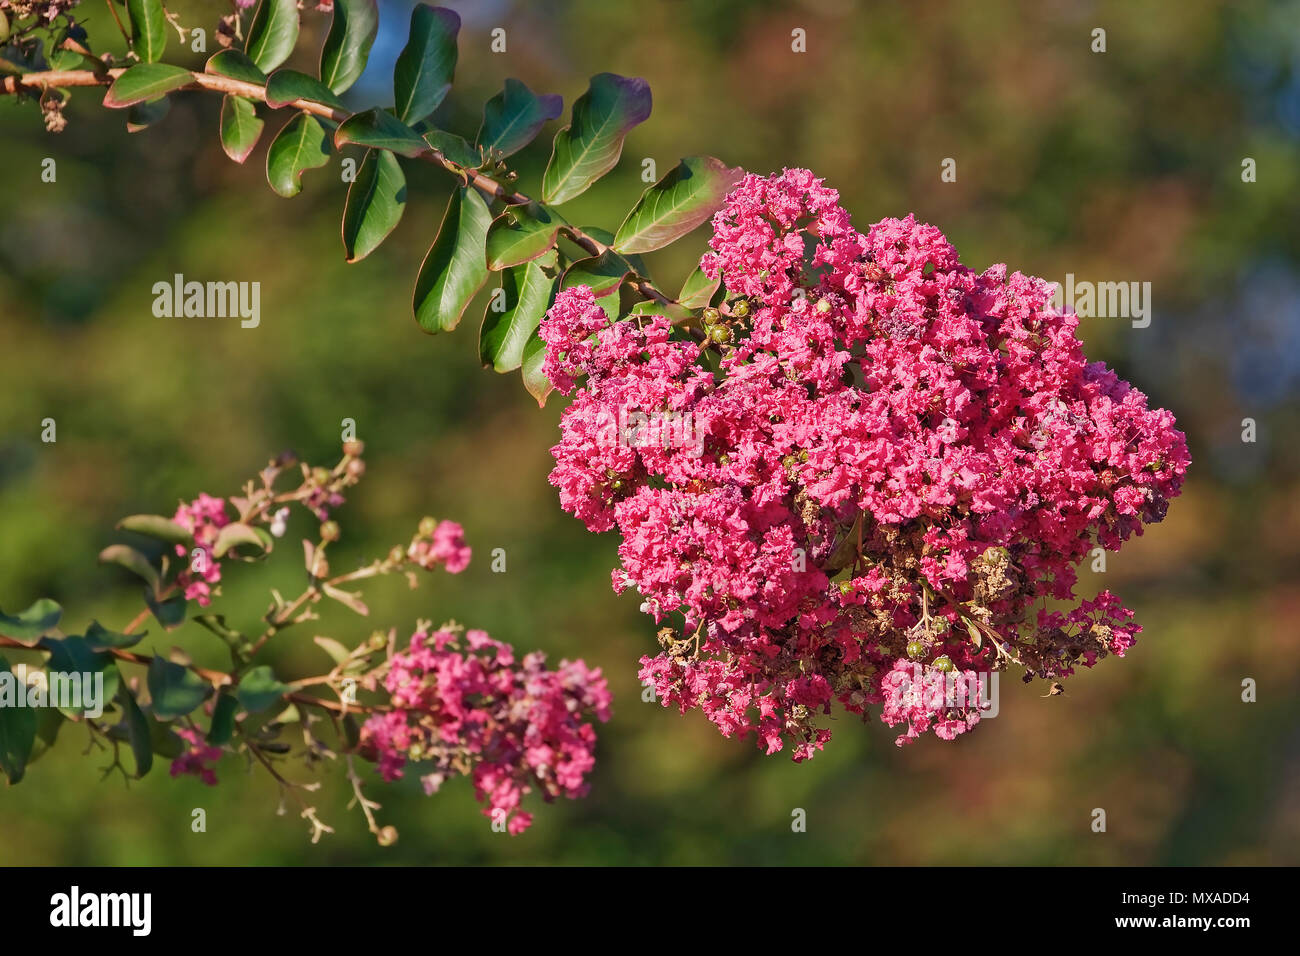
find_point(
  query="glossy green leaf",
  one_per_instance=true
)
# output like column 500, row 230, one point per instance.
column 426, row 66
column 238, row 535
column 29, row 625
column 259, row 689
column 536, row 383
column 236, row 65
column 174, row 689
column 522, row 233
column 169, row 613
column 148, row 28
column 101, row 638
column 590, row 145
column 347, row 46
column 17, row 726
column 273, row 33
column 301, row 145
column 285, row 86
column 145, row 81
column 380, row 129
column 454, row 148
column 133, row 561
column 48, row 724
column 456, row 265
column 690, row 193
column 527, row 292
column 604, row 274
column 75, row 656
column 140, row 116
column 376, row 201
column 157, row 526
column 698, row 289
column 137, row 730
column 513, row 117
column 241, row 127
column 674, row 311
column 223, row 717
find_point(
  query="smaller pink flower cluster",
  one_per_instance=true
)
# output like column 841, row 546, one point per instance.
column 197, row 758
column 444, row 547
column 204, row 517
column 511, row 726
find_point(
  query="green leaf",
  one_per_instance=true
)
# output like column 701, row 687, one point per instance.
column 259, row 689
column 137, row 731
column 101, row 638
column 145, row 81
column 133, row 561
column 604, row 274
column 156, row 526
column 285, row 86
column 175, row 690
column 223, row 717
column 301, row 145
column 454, row 148
column 528, row 291
column 17, row 726
column 456, row 265
column 515, row 115
column 376, row 201
column 379, row 129
column 672, row 310
column 170, row 613
column 148, row 28
column 29, row 625
column 236, row 66
column 48, row 724
column 698, row 289
column 140, row 116
column 590, row 145
column 690, row 193
column 273, row 33
column 425, row 67
column 241, row 127
column 522, row 233
column 537, row 384
column 352, row 33
column 236, row 535
column 75, row 655
column 337, row 652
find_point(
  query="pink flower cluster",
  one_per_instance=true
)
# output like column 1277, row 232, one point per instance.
column 204, row 517
column 197, row 756
column 902, row 460
column 511, row 726
column 445, row 547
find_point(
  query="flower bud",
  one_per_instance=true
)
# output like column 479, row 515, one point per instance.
column 427, row 526
column 329, row 531
column 709, row 316
column 915, row 650
column 387, row 836
column 943, row 663
column 740, row 309
column 353, row 449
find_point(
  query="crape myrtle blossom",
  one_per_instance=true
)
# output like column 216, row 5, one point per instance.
column 904, row 461
column 463, row 704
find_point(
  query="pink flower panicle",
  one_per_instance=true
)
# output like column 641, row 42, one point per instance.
column 902, row 459
column 204, row 517
column 467, row 706
column 197, row 757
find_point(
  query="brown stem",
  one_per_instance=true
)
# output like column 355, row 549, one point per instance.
column 222, row 84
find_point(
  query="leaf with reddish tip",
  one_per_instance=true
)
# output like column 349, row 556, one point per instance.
column 425, row 67
column 241, row 127
column 145, row 81
column 513, row 117
column 690, row 193
column 591, row 144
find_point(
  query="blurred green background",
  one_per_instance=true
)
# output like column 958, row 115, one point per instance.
column 1123, row 165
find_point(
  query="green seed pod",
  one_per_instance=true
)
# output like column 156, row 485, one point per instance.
column 709, row 316
column 943, row 663
column 740, row 308
column 720, row 334
column 915, row 650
